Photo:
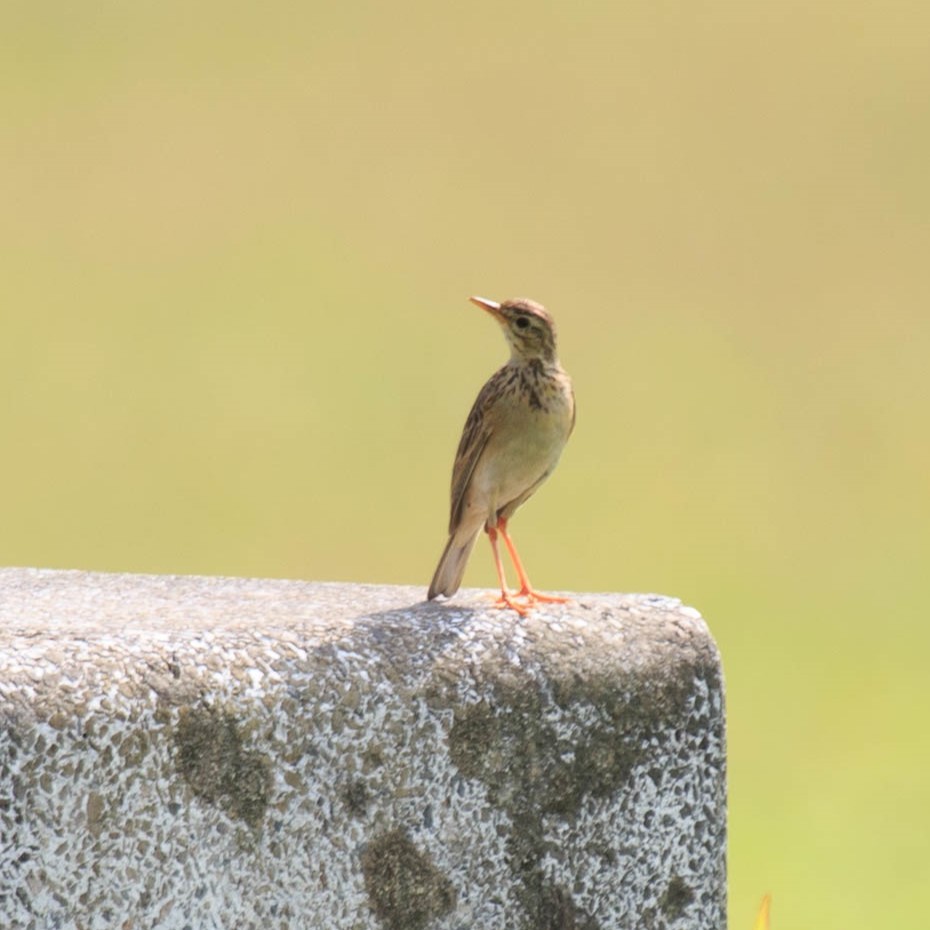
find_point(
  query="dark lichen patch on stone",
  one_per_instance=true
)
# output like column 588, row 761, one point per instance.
column 557, row 911
column 510, row 744
column 642, row 703
column 676, row 898
column 405, row 889
column 545, row 906
column 216, row 765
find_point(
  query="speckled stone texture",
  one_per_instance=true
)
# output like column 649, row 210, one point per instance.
column 180, row 752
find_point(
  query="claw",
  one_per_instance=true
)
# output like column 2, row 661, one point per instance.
column 505, row 600
column 533, row 596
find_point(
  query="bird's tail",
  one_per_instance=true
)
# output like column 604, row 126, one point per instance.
column 451, row 568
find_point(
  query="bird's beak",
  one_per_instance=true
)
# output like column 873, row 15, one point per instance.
column 492, row 306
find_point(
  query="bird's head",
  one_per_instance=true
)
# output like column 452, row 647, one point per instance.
column 529, row 329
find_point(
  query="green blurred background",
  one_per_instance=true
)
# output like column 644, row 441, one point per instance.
column 237, row 244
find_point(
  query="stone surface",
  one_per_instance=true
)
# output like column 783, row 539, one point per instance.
column 181, row 752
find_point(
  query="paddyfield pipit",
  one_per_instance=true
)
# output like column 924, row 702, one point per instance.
column 512, row 441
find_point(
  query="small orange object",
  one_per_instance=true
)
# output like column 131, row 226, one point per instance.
column 762, row 921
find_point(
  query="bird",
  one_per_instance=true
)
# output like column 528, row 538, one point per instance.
column 512, row 441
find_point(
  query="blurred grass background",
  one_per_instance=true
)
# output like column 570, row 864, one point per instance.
column 237, row 241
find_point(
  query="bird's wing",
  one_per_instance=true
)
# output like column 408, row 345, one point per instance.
column 475, row 437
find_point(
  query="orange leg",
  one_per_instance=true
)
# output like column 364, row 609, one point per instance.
column 526, row 589
column 505, row 600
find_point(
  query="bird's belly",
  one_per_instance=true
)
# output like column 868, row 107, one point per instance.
column 519, row 459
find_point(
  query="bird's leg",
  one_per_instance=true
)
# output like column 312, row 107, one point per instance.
column 505, row 600
column 526, row 589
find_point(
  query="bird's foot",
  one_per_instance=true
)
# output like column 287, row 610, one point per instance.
column 528, row 598
column 506, row 600
column 533, row 596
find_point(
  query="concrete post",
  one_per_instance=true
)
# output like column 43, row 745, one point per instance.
column 182, row 752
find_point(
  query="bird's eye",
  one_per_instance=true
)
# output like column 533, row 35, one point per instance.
column 522, row 322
